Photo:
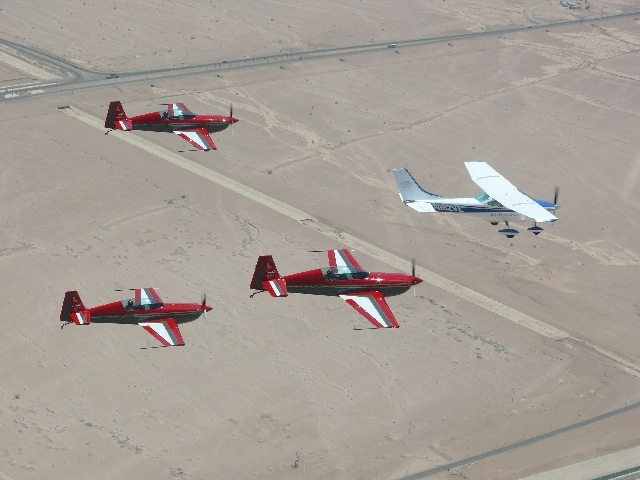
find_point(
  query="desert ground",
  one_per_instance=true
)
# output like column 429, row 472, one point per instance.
column 265, row 384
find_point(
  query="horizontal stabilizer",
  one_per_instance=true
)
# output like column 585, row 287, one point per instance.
column 276, row 287
column 420, row 206
column 123, row 124
column 82, row 317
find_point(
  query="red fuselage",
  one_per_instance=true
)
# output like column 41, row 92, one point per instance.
column 314, row 282
column 118, row 312
column 155, row 122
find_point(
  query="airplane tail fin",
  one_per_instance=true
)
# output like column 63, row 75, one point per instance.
column 116, row 118
column 266, row 277
column 73, row 310
column 410, row 191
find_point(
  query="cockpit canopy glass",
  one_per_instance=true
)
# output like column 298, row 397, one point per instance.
column 485, row 198
column 177, row 115
column 131, row 304
column 332, row 274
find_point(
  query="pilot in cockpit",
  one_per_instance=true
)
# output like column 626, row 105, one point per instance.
column 165, row 115
column 129, row 304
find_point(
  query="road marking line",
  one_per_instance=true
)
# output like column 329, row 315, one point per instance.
column 309, row 221
column 31, row 85
column 18, row 86
column 26, row 67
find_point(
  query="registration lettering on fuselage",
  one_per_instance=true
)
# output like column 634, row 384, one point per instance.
column 445, row 207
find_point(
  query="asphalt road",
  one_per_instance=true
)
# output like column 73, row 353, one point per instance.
column 629, row 474
column 81, row 78
column 524, row 443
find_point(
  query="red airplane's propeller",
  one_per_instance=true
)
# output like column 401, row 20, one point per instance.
column 231, row 116
column 204, row 304
column 413, row 275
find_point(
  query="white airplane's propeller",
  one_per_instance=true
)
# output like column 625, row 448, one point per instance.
column 555, row 195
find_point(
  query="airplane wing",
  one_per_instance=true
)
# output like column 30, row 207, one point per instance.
column 198, row 137
column 179, row 109
column 165, row 330
column 146, row 296
column 185, row 109
column 341, row 261
column 504, row 192
column 373, row 307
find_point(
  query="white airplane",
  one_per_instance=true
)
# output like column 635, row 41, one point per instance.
column 502, row 202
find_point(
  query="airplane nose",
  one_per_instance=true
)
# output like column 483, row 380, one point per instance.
column 207, row 308
column 417, row 280
column 233, row 120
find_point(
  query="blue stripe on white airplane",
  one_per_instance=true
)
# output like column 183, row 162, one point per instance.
column 502, row 202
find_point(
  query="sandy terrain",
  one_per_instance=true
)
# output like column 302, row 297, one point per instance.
column 173, row 33
column 265, row 378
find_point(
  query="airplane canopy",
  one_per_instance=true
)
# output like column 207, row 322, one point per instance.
column 166, row 115
column 332, row 274
column 145, row 299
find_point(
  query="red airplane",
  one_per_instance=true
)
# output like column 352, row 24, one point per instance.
column 177, row 118
column 344, row 277
column 146, row 309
